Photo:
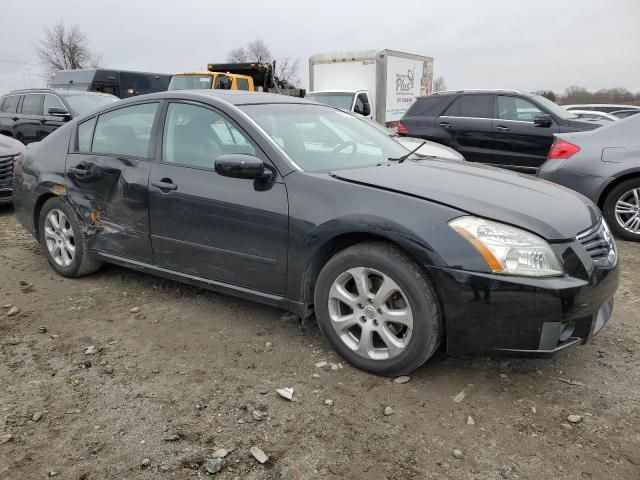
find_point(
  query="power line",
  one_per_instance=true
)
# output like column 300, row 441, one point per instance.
column 18, row 61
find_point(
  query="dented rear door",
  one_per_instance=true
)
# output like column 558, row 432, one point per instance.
column 107, row 179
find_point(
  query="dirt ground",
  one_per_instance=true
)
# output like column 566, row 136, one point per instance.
column 186, row 375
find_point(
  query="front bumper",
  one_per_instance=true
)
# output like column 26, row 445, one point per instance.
column 528, row 316
column 6, row 196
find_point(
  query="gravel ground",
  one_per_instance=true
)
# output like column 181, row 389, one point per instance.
column 192, row 372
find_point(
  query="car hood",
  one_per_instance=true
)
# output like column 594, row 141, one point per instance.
column 549, row 210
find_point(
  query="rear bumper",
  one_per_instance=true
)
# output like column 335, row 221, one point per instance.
column 588, row 185
column 487, row 313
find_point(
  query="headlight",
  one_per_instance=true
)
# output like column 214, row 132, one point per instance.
column 509, row 250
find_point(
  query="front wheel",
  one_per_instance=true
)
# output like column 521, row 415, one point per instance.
column 621, row 209
column 378, row 310
column 63, row 241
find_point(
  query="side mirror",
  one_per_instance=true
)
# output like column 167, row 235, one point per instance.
column 366, row 111
column 237, row 165
column 59, row 112
column 544, row 120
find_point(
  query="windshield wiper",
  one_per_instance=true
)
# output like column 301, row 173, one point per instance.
column 404, row 157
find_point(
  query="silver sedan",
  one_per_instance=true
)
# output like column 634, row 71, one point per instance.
column 604, row 165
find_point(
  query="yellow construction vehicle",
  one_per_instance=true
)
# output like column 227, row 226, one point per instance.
column 211, row 80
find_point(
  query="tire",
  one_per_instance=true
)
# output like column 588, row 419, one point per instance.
column 57, row 242
column 624, row 191
column 396, row 289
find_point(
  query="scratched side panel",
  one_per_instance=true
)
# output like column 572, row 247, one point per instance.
column 112, row 199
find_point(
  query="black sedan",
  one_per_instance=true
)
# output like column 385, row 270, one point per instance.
column 308, row 208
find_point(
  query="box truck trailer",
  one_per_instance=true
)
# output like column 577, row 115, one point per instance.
column 380, row 84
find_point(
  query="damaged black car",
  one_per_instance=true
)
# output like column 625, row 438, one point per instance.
column 310, row 209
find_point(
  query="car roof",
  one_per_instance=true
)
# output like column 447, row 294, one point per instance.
column 234, row 97
column 622, row 106
column 479, row 91
column 336, row 90
column 61, row 92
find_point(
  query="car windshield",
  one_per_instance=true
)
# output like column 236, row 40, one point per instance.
column 90, row 102
column 190, row 82
column 555, row 109
column 338, row 100
column 319, row 138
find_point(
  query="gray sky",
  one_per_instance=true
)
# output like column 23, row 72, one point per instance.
column 524, row 44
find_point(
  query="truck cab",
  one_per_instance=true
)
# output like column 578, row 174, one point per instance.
column 356, row 101
column 211, row 80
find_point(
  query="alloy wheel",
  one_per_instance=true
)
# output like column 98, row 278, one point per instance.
column 59, row 238
column 627, row 211
column 370, row 313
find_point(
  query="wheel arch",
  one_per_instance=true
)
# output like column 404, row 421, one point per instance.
column 37, row 208
column 613, row 184
column 340, row 242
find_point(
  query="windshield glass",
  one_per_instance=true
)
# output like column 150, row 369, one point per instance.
column 90, row 102
column 555, row 109
column 338, row 100
column 190, row 82
column 319, row 138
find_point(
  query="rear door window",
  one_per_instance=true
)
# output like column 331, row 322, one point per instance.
column 10, row 104
column 85, row 135
column 126, row 131
column 430, row 106
column 475, row 106
column 32, row 104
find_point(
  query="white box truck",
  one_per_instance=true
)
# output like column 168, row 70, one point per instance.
column 381, row 84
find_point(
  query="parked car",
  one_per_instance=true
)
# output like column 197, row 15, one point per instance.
column 9, row 151
column 429, row 149
column 505, row 128
column 30, row 115
column 595, row 116
column 625, row 113
column 422, row 147
column 121, row 83
column 306, row 207
column 603, row 165
column 601, row 107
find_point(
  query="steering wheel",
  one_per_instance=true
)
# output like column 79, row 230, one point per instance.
column 343, row 145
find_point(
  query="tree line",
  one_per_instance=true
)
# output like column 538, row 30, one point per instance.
column 66, row 47
column 580, row 95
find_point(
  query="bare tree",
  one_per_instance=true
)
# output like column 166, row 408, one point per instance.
column 287, row 70
column 65, row 48
column 257, row 51
column 238, row 55
column 439, row 85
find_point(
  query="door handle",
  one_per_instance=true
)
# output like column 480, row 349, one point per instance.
column 15, row 119
column 165, row 184
column 445, row 124
column 78, row 170
column 502, row 128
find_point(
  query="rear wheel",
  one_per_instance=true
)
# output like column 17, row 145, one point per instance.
column 377, row 309
column 621, row 209
column 63, row 241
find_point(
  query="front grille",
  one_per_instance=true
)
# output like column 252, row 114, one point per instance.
column 599, row 244
column 6, row 172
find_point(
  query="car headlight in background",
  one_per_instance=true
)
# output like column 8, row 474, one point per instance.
column 509, row 250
